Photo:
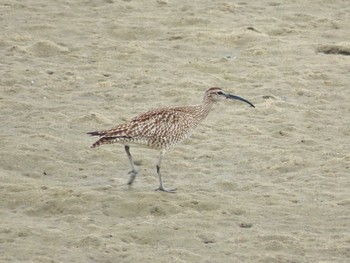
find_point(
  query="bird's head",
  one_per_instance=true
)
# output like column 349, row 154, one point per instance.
column 216, row 94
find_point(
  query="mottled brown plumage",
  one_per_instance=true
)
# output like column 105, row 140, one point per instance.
column 162, row 128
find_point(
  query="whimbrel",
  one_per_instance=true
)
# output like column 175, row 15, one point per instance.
column 162, row 129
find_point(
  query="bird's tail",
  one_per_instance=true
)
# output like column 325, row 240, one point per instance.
column 117, row 134
column 97, row 133
column 109, row 140
column 103, row 140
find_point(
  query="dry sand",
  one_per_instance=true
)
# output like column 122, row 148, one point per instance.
column 269, row 184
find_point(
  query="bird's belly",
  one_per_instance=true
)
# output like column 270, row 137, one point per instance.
column 154, row 143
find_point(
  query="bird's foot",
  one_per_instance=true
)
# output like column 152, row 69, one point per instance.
column 167, row 190
column 133, row 174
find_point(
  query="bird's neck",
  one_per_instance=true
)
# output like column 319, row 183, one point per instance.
column 205, row 108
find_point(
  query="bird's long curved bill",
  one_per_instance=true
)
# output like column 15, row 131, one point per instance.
column 234, row 97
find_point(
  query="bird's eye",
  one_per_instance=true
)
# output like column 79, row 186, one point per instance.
column 219, row 93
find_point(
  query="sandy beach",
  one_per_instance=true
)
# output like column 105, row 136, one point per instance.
column 270, row 184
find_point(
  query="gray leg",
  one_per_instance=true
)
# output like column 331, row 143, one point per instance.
column 161, row 187
column 133, row 171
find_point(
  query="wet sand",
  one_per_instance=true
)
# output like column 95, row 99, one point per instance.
column 269, row 184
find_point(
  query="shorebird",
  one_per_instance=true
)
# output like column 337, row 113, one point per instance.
column 162, row 129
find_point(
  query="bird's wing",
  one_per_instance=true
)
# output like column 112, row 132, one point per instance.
column 157, row 123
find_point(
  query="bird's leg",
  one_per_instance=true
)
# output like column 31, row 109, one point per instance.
column 161, row 187
column 133, row 172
